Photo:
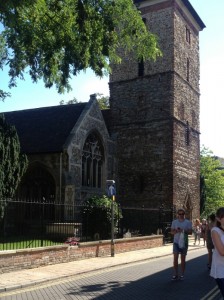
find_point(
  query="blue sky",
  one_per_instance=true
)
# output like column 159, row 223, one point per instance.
column 212, row 74
column 28, row 95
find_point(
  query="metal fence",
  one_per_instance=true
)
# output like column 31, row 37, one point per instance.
column 37, row 223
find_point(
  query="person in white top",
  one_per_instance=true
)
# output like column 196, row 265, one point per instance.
column 217, row 268
column 180, row 225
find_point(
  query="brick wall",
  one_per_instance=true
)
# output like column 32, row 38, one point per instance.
column 13, row 260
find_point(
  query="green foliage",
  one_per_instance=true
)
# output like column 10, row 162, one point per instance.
column 202, row 194
column 13, row 163
column 103, row 101
column 97, row 217
column 55, row 39
column 73, row 101
column 212, row 174
column 3, row 56
column 4, row 95
column 3, row 51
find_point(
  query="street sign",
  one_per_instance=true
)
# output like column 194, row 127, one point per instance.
column 111, row 190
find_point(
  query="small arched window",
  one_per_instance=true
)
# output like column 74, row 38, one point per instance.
column 187, row 134
column 188, row 35
column 92, row 162
column 188, row 69
column 141, row 68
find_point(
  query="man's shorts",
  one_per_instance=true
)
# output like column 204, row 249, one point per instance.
column 177, row 249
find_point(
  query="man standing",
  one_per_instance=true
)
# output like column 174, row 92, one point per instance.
column 180, row 225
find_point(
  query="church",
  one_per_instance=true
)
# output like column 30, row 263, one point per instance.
column 148, row 141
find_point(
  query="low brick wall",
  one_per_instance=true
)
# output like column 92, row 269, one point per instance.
column 13, row 260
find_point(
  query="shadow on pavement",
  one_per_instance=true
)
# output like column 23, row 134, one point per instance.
column 147, row 280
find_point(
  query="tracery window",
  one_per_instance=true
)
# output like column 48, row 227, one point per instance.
column 92, row 162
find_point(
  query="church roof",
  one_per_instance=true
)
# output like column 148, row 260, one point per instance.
column 44, row 130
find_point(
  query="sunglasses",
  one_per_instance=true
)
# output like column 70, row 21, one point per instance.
column 181, row 214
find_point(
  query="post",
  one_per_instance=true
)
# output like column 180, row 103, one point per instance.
column 161, row 210
column 142, row 229
column 42, row 221
column 111, row 192
column 112, row 226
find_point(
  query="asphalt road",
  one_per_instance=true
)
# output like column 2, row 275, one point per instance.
column 138, row 281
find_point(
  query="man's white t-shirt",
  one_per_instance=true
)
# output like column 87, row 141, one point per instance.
column 184, row 225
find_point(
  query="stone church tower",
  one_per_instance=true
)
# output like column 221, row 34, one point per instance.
column 155, row 113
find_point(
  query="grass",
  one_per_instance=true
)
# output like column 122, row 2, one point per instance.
column 26, row 243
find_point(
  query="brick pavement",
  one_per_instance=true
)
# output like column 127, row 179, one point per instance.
column 29, row 277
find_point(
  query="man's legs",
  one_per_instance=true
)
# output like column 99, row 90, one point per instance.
column 195, row 238
column 175, row 263
column 183, row 263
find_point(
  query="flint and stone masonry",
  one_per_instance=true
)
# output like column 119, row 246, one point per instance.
column 155, row 113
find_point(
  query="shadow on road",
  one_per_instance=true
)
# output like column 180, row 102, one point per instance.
column 151, row 280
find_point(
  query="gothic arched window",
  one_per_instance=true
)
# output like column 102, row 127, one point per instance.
column 92, row 162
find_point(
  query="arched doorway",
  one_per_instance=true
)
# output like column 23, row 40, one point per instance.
column 37, row 190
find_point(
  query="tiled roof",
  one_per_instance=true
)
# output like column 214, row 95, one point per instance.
column 44, row 130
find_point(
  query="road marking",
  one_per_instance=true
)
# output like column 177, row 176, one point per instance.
column 212, row 294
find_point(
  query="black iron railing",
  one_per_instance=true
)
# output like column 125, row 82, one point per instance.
column 40, row 222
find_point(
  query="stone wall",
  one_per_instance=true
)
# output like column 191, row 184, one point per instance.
column 144, row 125
column 156, row 115
column 13, row 260
column 186, row 110
column 65, row 168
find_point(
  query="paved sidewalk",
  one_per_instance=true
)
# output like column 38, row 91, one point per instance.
column 29, row 277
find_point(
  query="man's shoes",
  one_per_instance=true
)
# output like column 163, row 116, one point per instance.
column 175, row 277
column 182, row 277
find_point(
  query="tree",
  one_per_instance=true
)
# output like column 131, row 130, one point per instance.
column 212, row 175
column 103, row 101
column 13, row 163
column 55, row 39
column 72, row 101
column 3, row 55
column 96, row 216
